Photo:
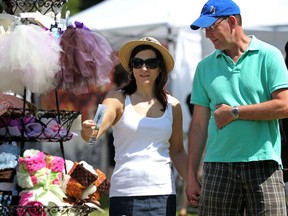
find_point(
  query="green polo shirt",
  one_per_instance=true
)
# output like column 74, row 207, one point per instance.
column 218, row 80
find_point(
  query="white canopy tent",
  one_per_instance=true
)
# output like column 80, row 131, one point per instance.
column 122, row 20
column 169, row 20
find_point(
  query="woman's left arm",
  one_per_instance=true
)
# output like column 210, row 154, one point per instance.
column 177, row 152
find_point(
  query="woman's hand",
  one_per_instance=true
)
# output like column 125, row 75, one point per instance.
column 87, row 129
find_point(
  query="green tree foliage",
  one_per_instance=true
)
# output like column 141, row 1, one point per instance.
column 75, row 6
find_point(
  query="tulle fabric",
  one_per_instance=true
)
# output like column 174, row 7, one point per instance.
column 8, row 81
column 87, row 59
column 29, row 57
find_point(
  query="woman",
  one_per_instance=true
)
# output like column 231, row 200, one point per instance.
column 147, row 129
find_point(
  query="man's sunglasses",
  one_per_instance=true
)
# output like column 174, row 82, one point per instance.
column 150, row 63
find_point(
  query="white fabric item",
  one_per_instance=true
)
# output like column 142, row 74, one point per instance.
column 143, row 165
column 6, row 186
column 29, row 52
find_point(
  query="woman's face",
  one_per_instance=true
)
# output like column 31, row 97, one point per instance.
column 145, row 72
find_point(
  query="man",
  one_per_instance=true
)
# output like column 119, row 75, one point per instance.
column 239, row 93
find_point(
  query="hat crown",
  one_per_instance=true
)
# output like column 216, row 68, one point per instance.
column 150, row 39
column 218, row 8
column 214, row 9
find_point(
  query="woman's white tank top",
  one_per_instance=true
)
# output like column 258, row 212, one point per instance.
column 143, row 165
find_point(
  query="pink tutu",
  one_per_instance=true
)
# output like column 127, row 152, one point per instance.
column 87, row 59
column 29, row 57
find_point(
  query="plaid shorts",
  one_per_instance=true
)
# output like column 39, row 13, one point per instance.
column 229, row 189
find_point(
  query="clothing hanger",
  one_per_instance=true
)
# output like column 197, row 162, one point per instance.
column 8, row 22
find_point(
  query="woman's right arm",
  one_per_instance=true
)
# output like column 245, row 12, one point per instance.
column 115, row 107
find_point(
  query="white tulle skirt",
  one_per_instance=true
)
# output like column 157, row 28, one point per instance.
column 29, row 57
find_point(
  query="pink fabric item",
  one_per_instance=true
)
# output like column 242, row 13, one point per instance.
column 56, row 164
column 26, row 199
column 33, row 163
column 9, row 101
column 87, row 59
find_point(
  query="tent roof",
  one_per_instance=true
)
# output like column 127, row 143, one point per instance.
column 118, row 14
column 123, row 20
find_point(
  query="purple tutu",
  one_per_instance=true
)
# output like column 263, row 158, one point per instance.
column 87, row 59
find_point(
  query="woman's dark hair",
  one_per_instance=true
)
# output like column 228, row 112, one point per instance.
column 159, row 90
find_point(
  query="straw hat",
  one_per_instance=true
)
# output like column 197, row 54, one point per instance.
column 126, row 49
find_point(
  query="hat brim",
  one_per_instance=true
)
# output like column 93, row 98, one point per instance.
column 126, row 49
column 203, row 22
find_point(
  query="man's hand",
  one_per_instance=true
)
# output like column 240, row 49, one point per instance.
column 193, row 193
column 223, row 115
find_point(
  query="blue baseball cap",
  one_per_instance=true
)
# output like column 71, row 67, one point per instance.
column 214, row 9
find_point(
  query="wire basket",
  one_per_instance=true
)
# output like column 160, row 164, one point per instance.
column 44, row 6
column 37, row 125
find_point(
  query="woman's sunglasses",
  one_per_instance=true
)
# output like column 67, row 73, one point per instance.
column 150, row 63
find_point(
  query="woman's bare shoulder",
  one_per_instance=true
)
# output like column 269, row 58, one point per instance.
column 173, row 100
column 115, row 96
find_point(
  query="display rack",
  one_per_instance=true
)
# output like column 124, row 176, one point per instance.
column 46, row 211
column 24, row 6
column 24, row 117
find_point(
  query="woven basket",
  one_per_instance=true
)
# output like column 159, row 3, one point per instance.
column 7, row 175
column 82, row 175
column 102, row 183
column 74, row 189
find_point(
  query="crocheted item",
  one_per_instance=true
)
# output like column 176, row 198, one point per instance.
column 10, row 148
column 102, row 184
column 41, row 176
column 82, row 175
column 37, row 169
column 8, row 160
column 40, row 197
column 74, row 188
column 7, row 175
column 79, row 182
column 55, row 165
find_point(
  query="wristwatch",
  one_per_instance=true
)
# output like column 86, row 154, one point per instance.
column 235, row 112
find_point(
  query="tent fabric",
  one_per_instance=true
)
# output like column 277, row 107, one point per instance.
column 123, row 20
column 120, row 14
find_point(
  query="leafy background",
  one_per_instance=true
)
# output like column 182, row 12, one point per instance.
column 76, row 6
